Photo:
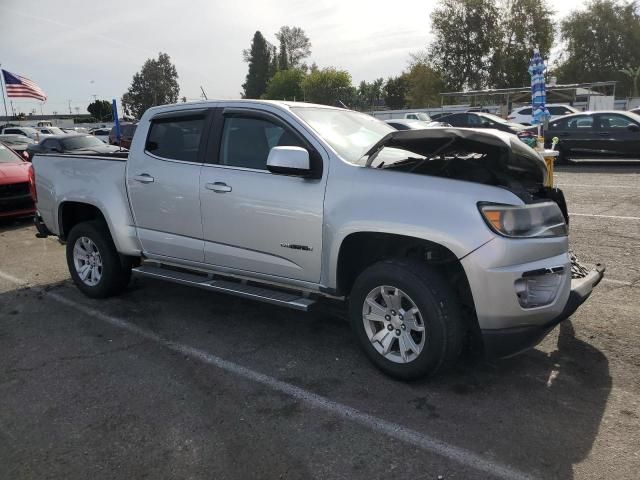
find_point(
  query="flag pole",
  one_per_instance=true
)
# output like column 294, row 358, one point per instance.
column 4, row 99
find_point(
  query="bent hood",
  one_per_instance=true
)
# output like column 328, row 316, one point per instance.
column 506, row 148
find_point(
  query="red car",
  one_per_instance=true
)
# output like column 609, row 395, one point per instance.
column 17, row 184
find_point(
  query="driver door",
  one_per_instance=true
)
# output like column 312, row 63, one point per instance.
column 254, row 220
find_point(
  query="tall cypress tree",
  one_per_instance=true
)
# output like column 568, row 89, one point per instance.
column 258, row 57
column 283, row 61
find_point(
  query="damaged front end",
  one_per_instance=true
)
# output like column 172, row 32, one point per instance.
column 487, row 157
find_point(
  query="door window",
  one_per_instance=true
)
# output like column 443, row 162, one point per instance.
column 246, row 141
column 526, row 111
column 176, row 138
column 583, row 122
column 558, row 111
column 612, row 121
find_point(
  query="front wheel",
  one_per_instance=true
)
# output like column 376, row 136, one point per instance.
column 406, row 318
column 94, row 263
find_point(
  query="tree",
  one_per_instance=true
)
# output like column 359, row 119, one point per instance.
column 328, row 86
column 424, row 84
column 465, row 36
column 286, row 85
column 634, row 75
column 599, row 42
column 395, row 92
column 155, row 84
column 296, row 45
column 523, row 26
column 283, row 59
column 100, row 109
column 258, row 57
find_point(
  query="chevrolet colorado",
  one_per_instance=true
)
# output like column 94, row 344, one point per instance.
column 432, row 238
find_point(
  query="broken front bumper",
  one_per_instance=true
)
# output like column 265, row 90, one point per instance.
column 506, row 342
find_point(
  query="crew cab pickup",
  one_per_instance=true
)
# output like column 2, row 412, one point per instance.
column 431, row 238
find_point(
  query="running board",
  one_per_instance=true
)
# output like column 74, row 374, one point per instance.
column 275, row 297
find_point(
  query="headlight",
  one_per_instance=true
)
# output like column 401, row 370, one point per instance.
column 526, row 221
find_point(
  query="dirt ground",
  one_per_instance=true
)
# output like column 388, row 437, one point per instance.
column 171, row 382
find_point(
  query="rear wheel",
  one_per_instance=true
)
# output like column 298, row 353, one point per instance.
column 406, row 319
column 94, row 263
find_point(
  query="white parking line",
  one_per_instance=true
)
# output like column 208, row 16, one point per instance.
column 617, row 217
column 596, row 186
column 425, row 442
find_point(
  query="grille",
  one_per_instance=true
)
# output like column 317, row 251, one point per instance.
column 14, row 190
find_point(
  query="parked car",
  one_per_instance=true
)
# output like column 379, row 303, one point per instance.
column 74, row 130
column 71, row 143
column 481, row 120
column 402, row 114
column 50, row 131
column 126, row 135
column 602, row 135
column 25, row 131
column 16, row 184
column 428, row 235
column 401, row 124
column 523, row 114
column 101, row 134
column 17, row 143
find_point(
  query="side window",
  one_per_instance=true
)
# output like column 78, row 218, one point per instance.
column 412, row 117
column 50, row 144
column 613, row 121
column 176, row 138
column 246, row 141
column 581, row 122
column 526, row 111
column 13, row 130
column 474, row 120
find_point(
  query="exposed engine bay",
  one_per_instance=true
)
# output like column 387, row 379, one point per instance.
column 487, row 157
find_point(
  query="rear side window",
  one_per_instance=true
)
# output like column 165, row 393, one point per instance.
column 176, row 138
column 559, row 111
column 525, row 111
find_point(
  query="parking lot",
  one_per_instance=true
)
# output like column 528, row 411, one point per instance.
column 171, row 382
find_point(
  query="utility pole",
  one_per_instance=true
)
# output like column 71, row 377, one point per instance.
column 204, row 95
column 70, row 112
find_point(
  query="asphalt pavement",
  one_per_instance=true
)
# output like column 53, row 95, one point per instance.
column 165, row 381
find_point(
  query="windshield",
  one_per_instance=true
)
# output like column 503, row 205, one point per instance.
column 78, row 143
column 351, row 134
column 7, row 156
column 55, row 130
column 424, row 117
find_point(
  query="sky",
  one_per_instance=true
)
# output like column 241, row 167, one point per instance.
column 76, row 49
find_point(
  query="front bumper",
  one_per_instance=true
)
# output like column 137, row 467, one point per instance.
column 506, row 342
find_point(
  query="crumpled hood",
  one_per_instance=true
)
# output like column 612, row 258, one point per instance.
column 511, row 151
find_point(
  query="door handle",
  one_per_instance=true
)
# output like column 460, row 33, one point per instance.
column 218, row 187
column 604, row 134
column 144, row 178
column 563, row 134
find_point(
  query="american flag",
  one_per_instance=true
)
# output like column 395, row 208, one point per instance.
column 21, row 87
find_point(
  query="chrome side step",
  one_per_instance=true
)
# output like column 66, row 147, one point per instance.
column 276, row 297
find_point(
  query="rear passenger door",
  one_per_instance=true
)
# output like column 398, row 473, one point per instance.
column 618, row 136
column 163, row 174
column 254, row 220
column 578, row 136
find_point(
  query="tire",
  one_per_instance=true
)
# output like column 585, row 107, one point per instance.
column 440, row 342
column 112, row 273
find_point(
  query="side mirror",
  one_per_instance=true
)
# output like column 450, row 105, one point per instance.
column 632, row 127
column 292, row 161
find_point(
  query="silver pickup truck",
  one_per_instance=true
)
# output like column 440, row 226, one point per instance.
column 433, row 238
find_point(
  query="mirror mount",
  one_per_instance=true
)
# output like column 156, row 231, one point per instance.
column 292, row 161
column 632, row 127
